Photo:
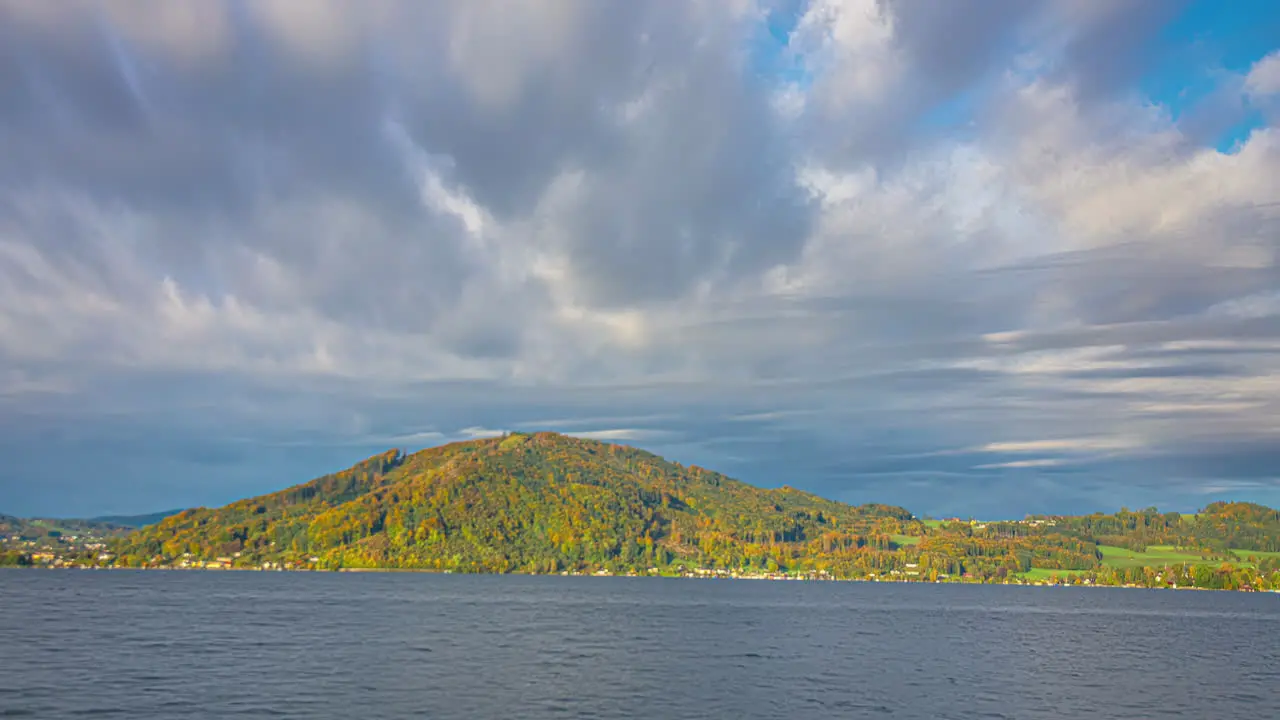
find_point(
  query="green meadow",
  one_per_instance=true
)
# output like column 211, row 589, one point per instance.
column 1161, row 555
column 1037, row 574
column 1156, row 556
column 1259, row 554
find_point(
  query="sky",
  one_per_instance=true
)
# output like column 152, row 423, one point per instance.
column 984, row 257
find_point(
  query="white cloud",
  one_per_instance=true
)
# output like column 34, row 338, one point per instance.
column 1065, row 445
column 479, row 432
column 1042, row 462
column 850, row 45
column 615, row 434
column 418, row 438
column 1196, row 408
column 568, row 423
column 1264, row 77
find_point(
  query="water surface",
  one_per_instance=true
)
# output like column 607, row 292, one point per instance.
column 397, row 645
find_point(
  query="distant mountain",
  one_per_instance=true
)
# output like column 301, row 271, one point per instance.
column 105, row 526
column 34, row 528
column 134, row 521
column 525, row 503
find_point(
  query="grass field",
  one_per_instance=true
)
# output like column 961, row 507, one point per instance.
column 1260, row 554
column 932, row 523
column 1161, row 555
column 1155, row 556
column 906, row 539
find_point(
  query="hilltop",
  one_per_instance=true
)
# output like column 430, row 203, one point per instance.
column 539, row 502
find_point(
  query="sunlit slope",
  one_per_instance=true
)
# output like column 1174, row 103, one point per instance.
column 534, row 503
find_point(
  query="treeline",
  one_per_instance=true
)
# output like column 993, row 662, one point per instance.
column 1219, row 527
column 1227, row 576
column 15, row 558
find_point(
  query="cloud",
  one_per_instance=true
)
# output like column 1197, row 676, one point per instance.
column 1037, row 463
column 1072, row 444
column 1264, row 77
column 618, row 434
column 883, row 254
column 474, row 433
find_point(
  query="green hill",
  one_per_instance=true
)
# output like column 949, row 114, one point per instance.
column 44, row 529
column 550, row 503
column 528, row 503
column 22, row 538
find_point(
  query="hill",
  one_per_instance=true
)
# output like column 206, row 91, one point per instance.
column 1219, row 526
column 44, row 529
column 23, row 538
column 133, row 521
column 528, row 503
column 550, row 503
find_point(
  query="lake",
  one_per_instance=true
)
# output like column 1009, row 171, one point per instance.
column 158, row 644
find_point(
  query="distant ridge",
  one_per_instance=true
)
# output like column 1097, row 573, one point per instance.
column 135, row 521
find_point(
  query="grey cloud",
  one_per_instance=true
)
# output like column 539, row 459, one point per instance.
column 1226, row 459
column 954, row 44
column 1208, row 120
column 237, row 258
column 1200, row 352
column 219, row 154
column 960, row 48
column 1113, row 45
column 1146, row 337
column 934, row 54
column 1159, row 371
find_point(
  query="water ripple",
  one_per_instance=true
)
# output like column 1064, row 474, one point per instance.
column 262, row 645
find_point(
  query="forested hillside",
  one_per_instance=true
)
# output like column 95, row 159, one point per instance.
column 1230, row 545
column 533, row 503
column 1220, row 525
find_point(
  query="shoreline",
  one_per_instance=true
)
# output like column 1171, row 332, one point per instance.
column 426, row 571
